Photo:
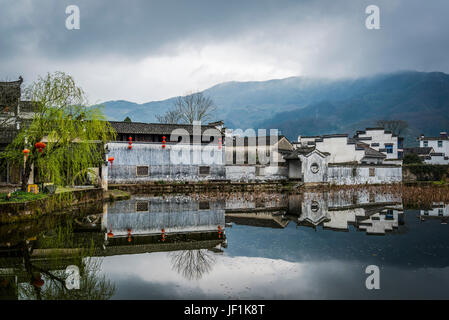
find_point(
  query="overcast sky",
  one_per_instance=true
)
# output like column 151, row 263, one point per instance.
column 142, row 50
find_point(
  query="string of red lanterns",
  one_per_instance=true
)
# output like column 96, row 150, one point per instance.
column 163, row 142
column 130, row 143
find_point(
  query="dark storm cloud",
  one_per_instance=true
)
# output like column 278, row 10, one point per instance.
column 125, row 27
column 204, row 42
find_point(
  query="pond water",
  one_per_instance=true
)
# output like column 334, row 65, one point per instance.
column 233, row 246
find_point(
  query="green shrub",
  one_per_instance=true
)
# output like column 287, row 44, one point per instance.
column 412, row 158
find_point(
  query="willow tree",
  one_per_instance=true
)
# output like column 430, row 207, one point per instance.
column 73, row 132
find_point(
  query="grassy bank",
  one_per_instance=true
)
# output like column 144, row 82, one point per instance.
column 21, row 196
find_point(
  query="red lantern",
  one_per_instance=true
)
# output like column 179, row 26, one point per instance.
column 219, row 143
column 25, row 152
column 129, row 235
column 219, row 232
column 40, row 146
column 163, row 235
column 111, row 160
column 163, row 142
column 110, row 234
column 130, row 143
column 38, row 282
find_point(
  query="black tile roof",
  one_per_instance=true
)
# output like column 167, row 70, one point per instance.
column 418, row 150
column 155, row 128
column 10, row 92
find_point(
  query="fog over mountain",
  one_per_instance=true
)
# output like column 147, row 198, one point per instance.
column 308, row 106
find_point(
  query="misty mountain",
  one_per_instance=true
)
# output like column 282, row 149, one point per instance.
column 310, row 106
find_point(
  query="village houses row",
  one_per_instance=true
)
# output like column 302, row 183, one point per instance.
column 144, row 152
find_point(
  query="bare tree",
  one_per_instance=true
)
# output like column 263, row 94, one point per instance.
column 171, row 116
column 192, row 264
column 396, row 127
column 189, row 108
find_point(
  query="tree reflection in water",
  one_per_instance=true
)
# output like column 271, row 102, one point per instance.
column 43, row 274
column 192, row 264
column 51, row 284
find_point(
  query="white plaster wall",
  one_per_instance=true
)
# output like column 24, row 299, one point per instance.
column 248, row 173
column 380, row 137
column 308, row 175
column 434, row 144
column 340, row 150
column 174, row 163
column 436, row 160
column 343, row 175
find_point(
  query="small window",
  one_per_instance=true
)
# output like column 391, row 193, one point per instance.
column 204, row 171
column 372, row 172
column 142, row 171
column 354, row 172
column 142, row 206
column 426, row 143
column 259, row 171
column 314, row 168
column 440, row 144
column 204, row 205
column 389, row 148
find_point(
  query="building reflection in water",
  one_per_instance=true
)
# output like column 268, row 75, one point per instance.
column 439, row 210
column 190, row 228
column 372, row 213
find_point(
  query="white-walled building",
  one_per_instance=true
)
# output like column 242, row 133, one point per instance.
column 338, row 159
column 383, row 141
column 440, row 147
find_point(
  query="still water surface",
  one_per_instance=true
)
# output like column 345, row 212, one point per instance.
column 233, row 246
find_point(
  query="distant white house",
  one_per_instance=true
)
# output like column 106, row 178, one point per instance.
column 440, row 145
column 339, row 159
column 383, row 141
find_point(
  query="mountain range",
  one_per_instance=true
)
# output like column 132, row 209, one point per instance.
column 312, row 106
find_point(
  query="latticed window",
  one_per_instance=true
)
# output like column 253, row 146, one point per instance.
column 142, row 206
column 142, row 171
column 372, row 172
column 203, row 170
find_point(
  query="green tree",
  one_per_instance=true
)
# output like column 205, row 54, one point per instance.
column 412, row 158
column 73, row 132
column 127, row 119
